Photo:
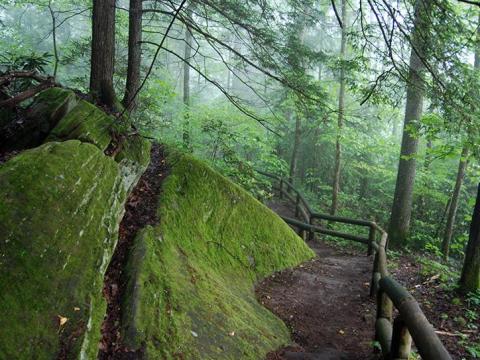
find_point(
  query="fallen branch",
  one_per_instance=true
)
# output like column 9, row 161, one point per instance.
column 8, row 77
column 12, row 102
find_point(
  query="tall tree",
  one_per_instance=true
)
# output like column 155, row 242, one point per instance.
column 470, row 279
column 462, row 167
column 186, row 81
column 341, row 113
column 134, row 54
column 103, row 52
column 402, row 202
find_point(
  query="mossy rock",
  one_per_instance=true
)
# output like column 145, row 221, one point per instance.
column 59, row 215
column 86, row 123
column 191, row 278
column 41, row 117
column 133, row 159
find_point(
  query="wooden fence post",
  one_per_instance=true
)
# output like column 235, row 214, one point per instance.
column 371, row 239
column 311, row 234
column 401, row 340
column 383, row 324
column 297, row 205
column 374, row 280
column 384, row 306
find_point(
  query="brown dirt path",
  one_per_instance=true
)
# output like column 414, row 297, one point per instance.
column 326, row 305
column 140, row 211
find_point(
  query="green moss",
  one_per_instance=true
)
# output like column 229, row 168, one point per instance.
column 61, row 205
column 54, row 104
column 192, row 277
column 86, row 123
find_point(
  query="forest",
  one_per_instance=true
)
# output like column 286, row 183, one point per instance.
column 366, row 109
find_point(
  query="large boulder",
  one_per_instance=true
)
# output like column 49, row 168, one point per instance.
column 59, row 215
column 191, row 284
column 61, row 205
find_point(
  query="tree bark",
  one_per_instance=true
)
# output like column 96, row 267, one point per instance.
column 470, row 279
column 134, row 54
column 452, row 211
column 186, row 67
column 402, row 203
column 103, row 52
column 341, row 112
column 54, row 38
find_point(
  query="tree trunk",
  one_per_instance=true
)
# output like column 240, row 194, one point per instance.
column 186, row 84
column 402, row 203
column 452, row 212
column 54, row 39
column 134, row 54
column 470, row 280
column 186, row 67
column 296, row 146
column 103, row 52
column 341, row 111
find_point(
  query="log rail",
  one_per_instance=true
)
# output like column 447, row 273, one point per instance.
column 394, row 334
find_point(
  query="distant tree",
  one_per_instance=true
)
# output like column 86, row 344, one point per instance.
column 341, row 113
column 103, row 52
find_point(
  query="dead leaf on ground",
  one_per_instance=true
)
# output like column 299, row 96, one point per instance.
column 62, row 320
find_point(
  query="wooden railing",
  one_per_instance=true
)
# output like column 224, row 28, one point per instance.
column 394, row 335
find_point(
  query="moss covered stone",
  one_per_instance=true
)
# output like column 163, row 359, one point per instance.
column 133, row 159
column 86, row 123
column 191, row 283
column 61, row 205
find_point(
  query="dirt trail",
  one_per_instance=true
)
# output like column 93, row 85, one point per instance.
column 325, row 302
column 140, row 211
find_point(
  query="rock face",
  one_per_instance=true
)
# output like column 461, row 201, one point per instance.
column 59, row 215
column 191, row 284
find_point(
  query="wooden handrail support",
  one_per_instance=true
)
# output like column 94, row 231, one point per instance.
column 394, row 335
column 411, row 320
column 321, row 230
